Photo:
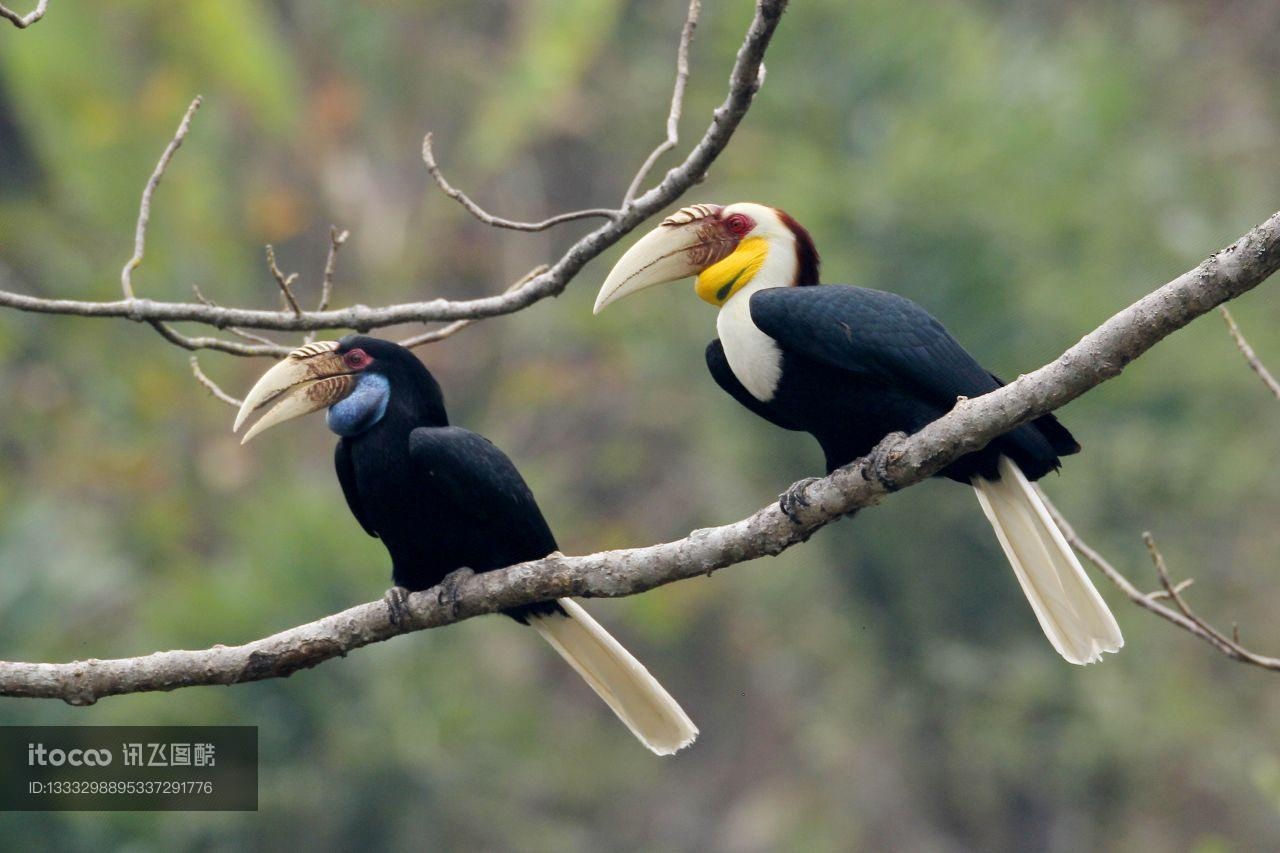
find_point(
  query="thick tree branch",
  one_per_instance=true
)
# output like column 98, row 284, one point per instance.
column 24, row 21
column 899, row 461
column 1183, row 616
column 458, row 325
column 744, row 81
column 239, row 333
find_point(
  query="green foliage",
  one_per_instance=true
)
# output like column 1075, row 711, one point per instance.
column 1023, row 171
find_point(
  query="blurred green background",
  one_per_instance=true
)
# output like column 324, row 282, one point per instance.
column 1021, row 169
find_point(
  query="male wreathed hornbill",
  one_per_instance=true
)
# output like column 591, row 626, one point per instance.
column 443, row 499
column 851, row 365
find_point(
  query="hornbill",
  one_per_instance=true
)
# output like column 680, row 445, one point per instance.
column 444, row 500
column 850, row 365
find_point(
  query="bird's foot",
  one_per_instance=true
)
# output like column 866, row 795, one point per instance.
column 449, row 590
column 883, row 455
column 397, row 601
column 793, row 499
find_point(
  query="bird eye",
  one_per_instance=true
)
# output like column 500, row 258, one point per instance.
column 739, row 224
column 356, row 359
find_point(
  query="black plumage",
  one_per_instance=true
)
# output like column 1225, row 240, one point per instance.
column 444, row 499
column 858, row 364
column 440, row 498
column 851, row 365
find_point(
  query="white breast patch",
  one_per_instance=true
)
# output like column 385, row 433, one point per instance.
column 754, row 357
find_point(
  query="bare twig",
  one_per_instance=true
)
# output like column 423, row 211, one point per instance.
column 195, row 344
column 436, row 334
column 744, row 80
column 212, row 386
column 1183, row 616
column 1175, row 592
column 336, row 241
column 898, row 462
column 284, row 281
column 239, row 333
column 677, row 102
column 1178, row 587
column 1249, row 355
column 24, row 21
column 144, row 208
column 428, row 157
column 458, row 325
column 1157, row 560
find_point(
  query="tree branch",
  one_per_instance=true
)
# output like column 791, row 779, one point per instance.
column 195, row 344
column 428, row 158
column 24, row 21
column 337, row 239
column 144, row 208
column 284, row 282
column 1249, row 355
column 1183, row 616
column 213, row 387
column 458, row 325
column 677, row 102
column 744, row 82
column 239, row 333
column 899, row 461
column 139, row 251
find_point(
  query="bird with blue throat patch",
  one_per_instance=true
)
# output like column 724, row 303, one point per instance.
column 850, row 365
column 445, row 502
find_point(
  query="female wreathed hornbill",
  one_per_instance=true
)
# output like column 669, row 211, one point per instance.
column 444, row 499
column 851, row 365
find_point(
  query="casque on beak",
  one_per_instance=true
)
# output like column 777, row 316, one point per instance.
column 686, row 243
column 310, row 378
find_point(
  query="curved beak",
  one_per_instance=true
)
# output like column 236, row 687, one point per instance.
column 310, row 378
column 686, row 243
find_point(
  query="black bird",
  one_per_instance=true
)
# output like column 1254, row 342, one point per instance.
column 443, row 499
column 851, row 365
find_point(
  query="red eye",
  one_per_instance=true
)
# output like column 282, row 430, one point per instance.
column 739, row 224
column 356, row 359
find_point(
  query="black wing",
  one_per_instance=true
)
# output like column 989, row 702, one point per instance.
column 884, row 337
column 483, row 486
column 875, row 334
column 347, row 477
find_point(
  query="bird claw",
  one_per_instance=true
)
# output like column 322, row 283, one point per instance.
column 397, row 601
column 881, row 457
column 793, row 499
column 449, row 590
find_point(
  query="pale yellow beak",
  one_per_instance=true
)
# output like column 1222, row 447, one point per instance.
column 310, row 378
column 684, row 245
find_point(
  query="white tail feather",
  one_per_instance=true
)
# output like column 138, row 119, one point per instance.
column 617, row 677
column 1071, row 612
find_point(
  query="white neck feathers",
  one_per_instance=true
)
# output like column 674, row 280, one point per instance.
column 753, row 356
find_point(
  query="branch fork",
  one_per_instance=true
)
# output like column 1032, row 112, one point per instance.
column 549, row 281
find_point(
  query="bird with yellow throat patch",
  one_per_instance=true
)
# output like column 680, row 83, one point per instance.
column 850, row 365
